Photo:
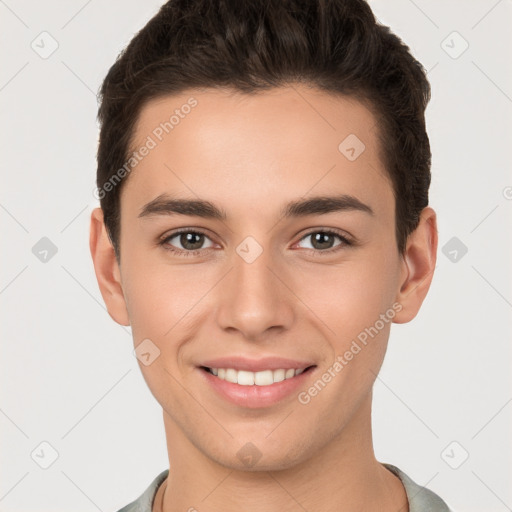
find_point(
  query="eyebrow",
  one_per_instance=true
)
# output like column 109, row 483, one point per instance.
column 319, row 205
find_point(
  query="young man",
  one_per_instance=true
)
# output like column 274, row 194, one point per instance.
column 263, row 172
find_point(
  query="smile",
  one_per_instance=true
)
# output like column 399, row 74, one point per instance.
column 255, row 389
column 261, row 378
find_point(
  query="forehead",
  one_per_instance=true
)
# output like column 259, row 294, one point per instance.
column 275, row 145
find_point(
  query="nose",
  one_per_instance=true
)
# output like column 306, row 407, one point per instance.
column 255, row 298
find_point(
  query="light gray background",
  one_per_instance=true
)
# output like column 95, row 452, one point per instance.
column 68, row 374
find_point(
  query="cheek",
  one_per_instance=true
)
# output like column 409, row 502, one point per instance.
column 351, row 296
column 355, row 301
column 163, row 300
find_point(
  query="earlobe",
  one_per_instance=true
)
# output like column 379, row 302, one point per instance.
column 107, row 269
column 419, row 262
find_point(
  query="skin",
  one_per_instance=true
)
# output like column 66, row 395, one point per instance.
column 250, row 155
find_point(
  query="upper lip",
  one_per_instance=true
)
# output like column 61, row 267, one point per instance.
column 256, row 365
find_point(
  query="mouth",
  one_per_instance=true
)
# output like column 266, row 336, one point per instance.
column 255, row 383
column 260, row 378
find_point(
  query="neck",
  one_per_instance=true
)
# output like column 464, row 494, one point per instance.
column 343, row 475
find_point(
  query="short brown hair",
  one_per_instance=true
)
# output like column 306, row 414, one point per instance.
column 336, row 46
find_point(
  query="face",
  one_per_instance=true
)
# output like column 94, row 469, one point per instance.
column 259, row 273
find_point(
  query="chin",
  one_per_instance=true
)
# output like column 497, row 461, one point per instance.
column 260, row 455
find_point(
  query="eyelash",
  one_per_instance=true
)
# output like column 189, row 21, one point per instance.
column 345, row 242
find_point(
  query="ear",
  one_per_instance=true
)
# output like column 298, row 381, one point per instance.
column 418, row 264
column 107, row 270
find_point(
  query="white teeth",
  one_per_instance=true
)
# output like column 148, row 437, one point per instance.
column 231, row 375
column 263, row 378
column 279, row 375
column 245, row 378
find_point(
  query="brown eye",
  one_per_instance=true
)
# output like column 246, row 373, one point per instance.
column 324, row 241
column 186, row 242
column 191, row 241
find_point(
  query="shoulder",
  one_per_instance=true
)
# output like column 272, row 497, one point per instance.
column 144, row 503
column 420, row 498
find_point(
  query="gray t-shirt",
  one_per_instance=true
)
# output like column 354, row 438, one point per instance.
column 420, row 498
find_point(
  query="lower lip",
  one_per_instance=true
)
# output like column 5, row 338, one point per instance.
column 255, row 396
